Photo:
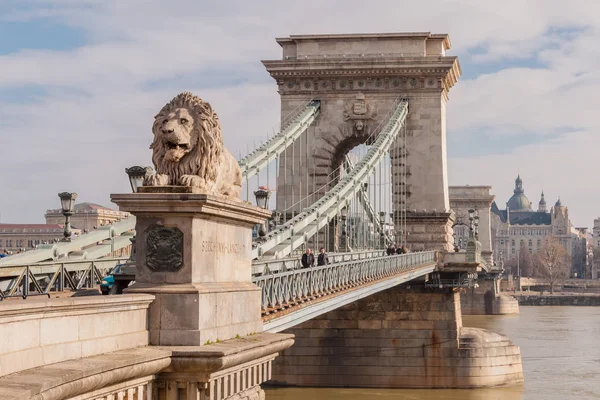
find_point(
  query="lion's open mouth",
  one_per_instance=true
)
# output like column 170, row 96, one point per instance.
column 178, row 146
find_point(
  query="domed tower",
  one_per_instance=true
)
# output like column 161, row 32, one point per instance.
column 518, row 201
column 542, row 204
column 558, row 203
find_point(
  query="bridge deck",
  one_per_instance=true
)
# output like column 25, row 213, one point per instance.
column 292, row 297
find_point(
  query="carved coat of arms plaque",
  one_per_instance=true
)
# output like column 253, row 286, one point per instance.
column 164, row 249
column 359, row 113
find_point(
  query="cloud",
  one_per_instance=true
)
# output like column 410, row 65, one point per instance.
column 79, row 116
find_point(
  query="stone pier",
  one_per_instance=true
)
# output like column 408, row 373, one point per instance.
column 401, row 338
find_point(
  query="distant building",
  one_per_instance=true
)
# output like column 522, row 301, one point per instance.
column 519, row 225
column 87, row 216
column 22, row 237
column 596, row 249
column 579, row 253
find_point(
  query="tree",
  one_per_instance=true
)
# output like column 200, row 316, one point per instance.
column 552, row 262
column 526, row 263
column 521, row 263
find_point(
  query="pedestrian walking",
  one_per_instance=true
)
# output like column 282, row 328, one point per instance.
column 308, row 259
column 391, row 250
column 322, row 259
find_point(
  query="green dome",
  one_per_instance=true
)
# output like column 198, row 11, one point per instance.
column 518, row 201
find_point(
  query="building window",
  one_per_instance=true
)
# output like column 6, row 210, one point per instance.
column 513, row 250
column 530, row 243
column 513, row 243
column 502, row 242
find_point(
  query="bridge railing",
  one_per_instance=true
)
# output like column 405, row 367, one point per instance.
column 263, row 267
column 284, row 289
column 42, row 278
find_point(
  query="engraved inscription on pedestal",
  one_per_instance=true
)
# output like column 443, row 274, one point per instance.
column 164, row 249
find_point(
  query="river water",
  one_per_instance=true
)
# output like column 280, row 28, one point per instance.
column 560, row 348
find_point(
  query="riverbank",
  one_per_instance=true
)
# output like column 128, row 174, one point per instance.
column 557, row 299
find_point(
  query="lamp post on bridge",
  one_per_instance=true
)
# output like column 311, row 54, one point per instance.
column 136, row 176
column 262, row 200
column 67, row 202
column 344, row 214
column 382, row 225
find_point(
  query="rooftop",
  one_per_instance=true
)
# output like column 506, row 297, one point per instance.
column 31, row 228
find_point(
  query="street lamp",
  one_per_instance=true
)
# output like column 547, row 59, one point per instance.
column 382, row 224
column 262, row 197
column 136, row 176
column 67, row 202
column 262, row 200
column 344, row 215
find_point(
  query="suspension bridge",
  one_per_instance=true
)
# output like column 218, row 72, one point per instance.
column 358, row 168
column 345, row 164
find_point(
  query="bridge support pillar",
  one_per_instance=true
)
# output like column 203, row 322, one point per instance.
column 487, row 299
column 429, row 230
column 400, row 338
column 193, row 253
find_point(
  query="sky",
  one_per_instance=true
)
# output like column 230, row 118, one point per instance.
column 81, row 80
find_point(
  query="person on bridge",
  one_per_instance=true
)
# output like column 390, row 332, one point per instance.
column 308, row 259
column 391, row 250
column 322, row 259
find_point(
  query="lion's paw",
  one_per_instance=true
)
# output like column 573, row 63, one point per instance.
column 156, row 180
column 192, row 180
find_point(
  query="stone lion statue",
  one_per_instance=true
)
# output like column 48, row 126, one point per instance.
column 188, row 149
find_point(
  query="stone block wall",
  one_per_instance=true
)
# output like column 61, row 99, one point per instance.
column 488, row 304
column 397, row 338
column 38, row 332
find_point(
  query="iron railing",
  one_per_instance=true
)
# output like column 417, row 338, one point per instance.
column 43, row 278
column 263, row 267
column 287, row 288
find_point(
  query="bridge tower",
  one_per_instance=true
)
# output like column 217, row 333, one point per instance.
column 357, row 78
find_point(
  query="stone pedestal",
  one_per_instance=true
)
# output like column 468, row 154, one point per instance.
column 429, row 230
column 193, row 253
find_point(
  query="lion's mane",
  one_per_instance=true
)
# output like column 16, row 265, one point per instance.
column 206, row 140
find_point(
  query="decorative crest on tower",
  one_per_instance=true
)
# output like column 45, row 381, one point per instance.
column 359, row 112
